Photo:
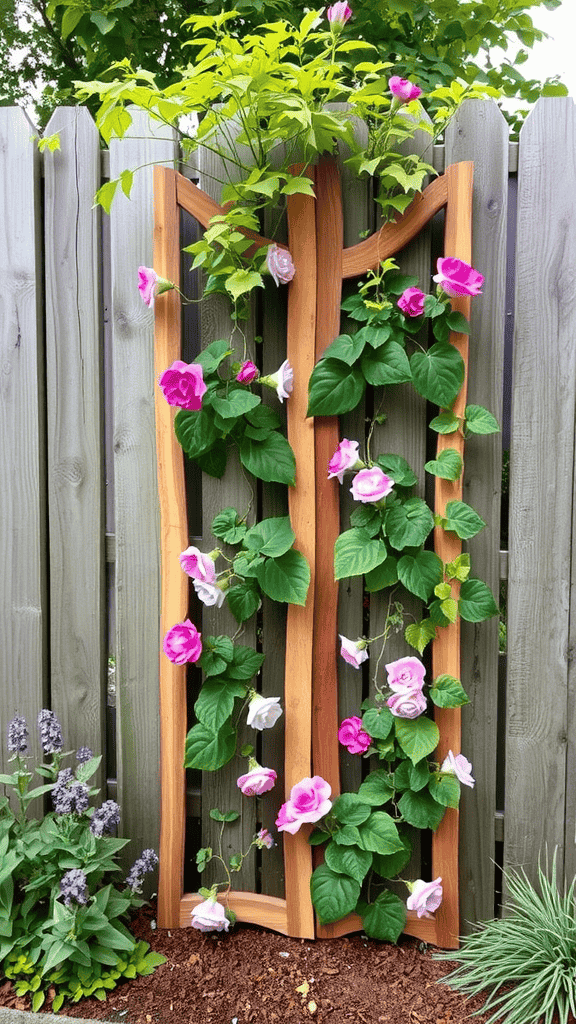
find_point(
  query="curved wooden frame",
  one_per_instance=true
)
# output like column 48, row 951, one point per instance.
column 311, row 682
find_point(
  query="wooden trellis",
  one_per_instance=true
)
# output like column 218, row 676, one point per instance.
column 315, row 241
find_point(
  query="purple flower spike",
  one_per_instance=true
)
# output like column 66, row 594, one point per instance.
column 17, row 735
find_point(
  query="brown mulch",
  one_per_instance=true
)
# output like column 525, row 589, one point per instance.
column 252, row 975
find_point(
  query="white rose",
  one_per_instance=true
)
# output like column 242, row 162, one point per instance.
column 210, row 916
column 263, row 712
column 209, row 594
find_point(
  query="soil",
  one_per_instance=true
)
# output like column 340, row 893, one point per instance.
column 252, row 975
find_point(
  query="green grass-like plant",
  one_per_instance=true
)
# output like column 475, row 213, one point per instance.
column 533, row 947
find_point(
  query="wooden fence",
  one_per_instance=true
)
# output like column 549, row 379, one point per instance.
column 79, row 533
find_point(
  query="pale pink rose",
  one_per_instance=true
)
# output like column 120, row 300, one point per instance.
column 406, row 674
column 183, row 643
column 407, row 703
column 371, row 485
column 263, row 712
column 353, row 651
column 210, row 916
column 345, row 457
column 352, row 736
column 247, row 373
column 403, row 89
column 283, row 380
column 257, row 781
column 280, row 265
column 210, row 594
column 458, row 278
column 425, row 897
column 183, row 385
column 309, row 801
column 459, row 766
column 411, row 302
column 150, row 285
column 198, row 565
column 339, row 13
column 264, row 839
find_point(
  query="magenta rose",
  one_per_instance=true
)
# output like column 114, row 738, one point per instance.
column 280, row 265
column 264, row 839
column 425, row 897
column 210, row 916
column 407, row 703
column 183, row 385
column 309, row 801
column 247, row 373
column 198, row 565
column 256, row 781
column 345, row 457
column 339, row 13
column 406, row 674
column 150, row 285
column 403, row 89
column 353, row 651
column 411, row 302
column 183, row 643
column 458, row 278
column 458, row 765
column 371, row 485
column 352, row 736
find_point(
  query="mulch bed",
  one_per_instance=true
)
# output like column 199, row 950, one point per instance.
column 252, row 975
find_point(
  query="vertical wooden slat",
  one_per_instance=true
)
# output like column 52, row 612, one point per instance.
column 22, row 454
column 174, row 540
column 136, row 488
column 542, row 462
column 75, row 431
column 479, row 133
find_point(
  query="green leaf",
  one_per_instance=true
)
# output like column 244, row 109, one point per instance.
column 386, row 365
column 438, row 374
column 391, row 864
column 376, row 788
column 318, row 837
column 195, row 431
column 397, row 282
column 347, row 836
column 105, row 195
column 420, row 573
column 462, row 520
column 236, row 404
column 211, row 357
column 384, row 575
column 448, row 692
column 398, row 469
column 87, row 769
column 245, row 663
column 449, row 609
column 420, row 634
column 208, row 750
column 103, row 23
column 271, row 459
column 476, row 601
column 368, row 518
column 408, row 524
column 348, row 860
column 459, row 568
column 70, row 19
column 445, row 789
column 447, row 464
column 303, row 186
column 226, row 816
column 333, row 895
column 420, row 809
column 286, row 578
column 243, row 281
column 385, row 918
column 356, row 553
column 264, row 418
column 335, row 388
column 126, row 180
column 379, row 834
column 346, row 348
column 378, row 722
column 228, row 527
column 271, row 537
column 445, row 423
column 457, row 322
column 215, row 703
column 480, row 421
column 417, row 736
column 213, row 462
column 216, row 655
column 243, row 600
column 350, row 810
column 412, row 776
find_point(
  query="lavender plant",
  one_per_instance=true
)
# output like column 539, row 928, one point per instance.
column 61, row 914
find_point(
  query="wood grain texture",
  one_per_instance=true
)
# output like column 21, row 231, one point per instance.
column 23, row 606
column 75, row 443
column 173, row 540
column 479, row 133
column 136, row 488
column 541, row 492
column 249, row 907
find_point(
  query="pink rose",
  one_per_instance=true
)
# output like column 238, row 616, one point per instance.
column 211, row 595
column 406, row 674
column 183, row 643
column 282, row 381
column 411, row 302
column 183, row 385
column 247, row 373
column 425, row 897
column 459, row 766
column 210, row 916
column 403, row 89
column 263, row 712
column 458, row 278
column 309, row 801
column 353, row 651
column 345, row 457
column 197, row 565
column 150, row 285
column 339, row 13
column 352, row 736
column 256, row 781
column 264, row 839
column 407, row 703
column 280, row 265
column 371, row 485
